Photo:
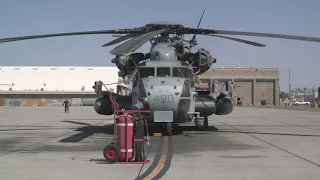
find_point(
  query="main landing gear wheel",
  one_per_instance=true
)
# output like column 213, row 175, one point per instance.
column 167, row 128
column 205, row 123
column 111, row 153
column 201, row 123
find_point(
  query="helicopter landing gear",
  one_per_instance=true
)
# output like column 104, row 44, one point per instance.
column 167, row 128
column 201, row 123
column 205, row 123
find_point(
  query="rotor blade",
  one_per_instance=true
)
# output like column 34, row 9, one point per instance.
column 240, row 40
column 270, row 35
column 120, row 39
column 117, row 35
column 136, row 42
column 116, row 31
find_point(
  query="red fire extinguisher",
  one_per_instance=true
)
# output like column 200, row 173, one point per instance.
column 125, row 137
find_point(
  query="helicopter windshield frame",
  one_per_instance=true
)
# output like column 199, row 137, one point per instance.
column 145, row 72
column 163, row 72
column 182, row 72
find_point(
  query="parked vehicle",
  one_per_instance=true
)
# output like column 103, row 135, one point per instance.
column 301, row 103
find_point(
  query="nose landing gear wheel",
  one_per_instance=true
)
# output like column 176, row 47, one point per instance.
column 167, row 128
column 111, row 153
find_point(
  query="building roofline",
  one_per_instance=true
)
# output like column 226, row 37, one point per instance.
column 247, row 68
column 63, row 66
column 232, row 68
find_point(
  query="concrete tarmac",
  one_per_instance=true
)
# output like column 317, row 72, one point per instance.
column 252, row 143
column 295, row 108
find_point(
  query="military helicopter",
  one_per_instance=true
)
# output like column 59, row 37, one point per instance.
column 163, row 80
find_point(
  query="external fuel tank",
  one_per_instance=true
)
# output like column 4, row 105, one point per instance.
column 219, row 104
column 103, row 106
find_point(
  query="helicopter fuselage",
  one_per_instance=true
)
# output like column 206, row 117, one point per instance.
column 169, row 98
column 164, row 86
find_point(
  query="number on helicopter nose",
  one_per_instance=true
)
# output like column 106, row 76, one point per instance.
column 163, row 99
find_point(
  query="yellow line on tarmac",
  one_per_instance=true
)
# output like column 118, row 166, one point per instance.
column 162, row 160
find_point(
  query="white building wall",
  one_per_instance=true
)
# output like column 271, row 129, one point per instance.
column 56, row 78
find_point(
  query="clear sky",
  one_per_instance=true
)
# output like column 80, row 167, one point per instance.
column 29, row 17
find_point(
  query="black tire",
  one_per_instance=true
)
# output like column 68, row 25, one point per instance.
column 111, row 153
column 167, row 128
column 139, row 146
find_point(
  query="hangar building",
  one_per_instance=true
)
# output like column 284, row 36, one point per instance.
column 45, row 78
column 251, row 85
column 22, row 81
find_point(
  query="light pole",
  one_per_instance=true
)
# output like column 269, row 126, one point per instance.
column 289, row 72
column 289, row 84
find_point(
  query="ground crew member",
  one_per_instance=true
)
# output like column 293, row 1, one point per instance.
column 66, row 105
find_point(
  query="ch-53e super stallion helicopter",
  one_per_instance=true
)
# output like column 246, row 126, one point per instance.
column 163, row 80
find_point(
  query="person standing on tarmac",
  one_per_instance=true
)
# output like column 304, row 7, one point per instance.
column 66, row 105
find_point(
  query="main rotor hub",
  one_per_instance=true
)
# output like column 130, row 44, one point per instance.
column 172, row 26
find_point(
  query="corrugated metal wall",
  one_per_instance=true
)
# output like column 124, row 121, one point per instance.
column 49, row 78
column 46, row 102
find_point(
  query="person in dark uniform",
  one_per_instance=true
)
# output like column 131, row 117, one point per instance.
column 66, row 105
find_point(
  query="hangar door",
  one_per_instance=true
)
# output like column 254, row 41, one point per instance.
column 264, row 91
column 243, row 90
column 2, row 102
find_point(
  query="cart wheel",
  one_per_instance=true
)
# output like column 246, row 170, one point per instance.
column 111, row 153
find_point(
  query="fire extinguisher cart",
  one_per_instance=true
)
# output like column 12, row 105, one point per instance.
column 128, row 145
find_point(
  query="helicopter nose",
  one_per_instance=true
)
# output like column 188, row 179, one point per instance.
column 163, row 90
column 149, row 93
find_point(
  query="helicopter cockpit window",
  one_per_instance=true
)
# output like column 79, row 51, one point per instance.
column 163, row 72
column 146, row 72
column 180, row 72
